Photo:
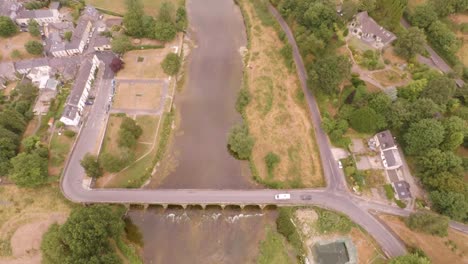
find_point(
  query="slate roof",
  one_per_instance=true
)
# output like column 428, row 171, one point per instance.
column 402, row 189
column 386, row 140
column 32, row 63
column 77, row 35
column 390, row 157
column 7, row 70
column 40, row 13
column 80, row 83
column 368, row 25
column 70, row 112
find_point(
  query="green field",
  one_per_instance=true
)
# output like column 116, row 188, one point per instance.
column 151, row 7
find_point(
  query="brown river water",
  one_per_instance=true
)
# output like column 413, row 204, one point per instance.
column 207, row 112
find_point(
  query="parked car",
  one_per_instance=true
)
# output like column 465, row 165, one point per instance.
column 89, row 102
column 283, row 196
column 340, row 165
column 306, row 197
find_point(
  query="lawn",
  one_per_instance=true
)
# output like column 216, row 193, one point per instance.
column 151, row 7
column 273, row 250
column 390, row 77
column 16, row 42
column 143, row 64
column 145, row 96
column 276, row 117
column 450, row 249
column 60, row 146
column 462, row 53
column 130, row 176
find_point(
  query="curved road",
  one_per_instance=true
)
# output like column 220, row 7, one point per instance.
column 335, row 196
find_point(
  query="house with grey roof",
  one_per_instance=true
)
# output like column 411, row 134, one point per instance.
column 41, row 16
column 25, row 66
column 9, row 8
column 80, row 92
column 102, row 43
column 79, row 37
column 367, row 30
column 402, row 189
column 7, row 71
column 385, row 144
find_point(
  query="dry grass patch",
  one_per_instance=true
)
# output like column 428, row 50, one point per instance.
column 413, row 3
column 143, row 64
column 390, row 77
column 145, row 96
column 276, row 120
column 389, row 54
column 151, row 7
column 9, row 88
column 8, row 45
column 60, row 146
column 112, row 134
column 450, row 249
column 31, row 127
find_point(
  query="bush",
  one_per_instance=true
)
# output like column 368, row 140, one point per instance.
column 333, row 222
column 389, row 192
column 243, row 99
column 285, row 227
column 33, row 28
column 428, row 223
column 69, row 133
column 68, row 35
column 271, row 160
column 366, row 120
column 91, row 166
column 121, row 44
column 34, row 47
column 111, row 163
column 171, row 64
column 400, row 203
column 240, row 143
column 7, row 27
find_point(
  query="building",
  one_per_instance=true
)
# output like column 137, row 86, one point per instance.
column 7, row 71
column 80, row 92
column 79, row 37
column 385, row 144
column 41, row 16
column 25, row 66
column 102, row 43
column 402, row 189
column 366, row 29
column 9, row 8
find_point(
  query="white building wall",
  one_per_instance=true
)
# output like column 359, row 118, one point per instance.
column 71, row 122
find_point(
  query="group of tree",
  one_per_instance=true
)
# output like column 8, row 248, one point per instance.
column 129, row 133
column 34, row 47
column 430, row 223
column 164, row 27
column 88, row 236
column 171, row 64
column 7, row 27
column 33, row 28
column 91, row 165
column 240, row 143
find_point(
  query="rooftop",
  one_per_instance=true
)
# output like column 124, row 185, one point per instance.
column 402, row 189
column 39, row 13
column 368, row 25
column 32, row 63
column 7, row 70
column 78, row 33
column 80, row 83
column 70, row 112
column 54, row 5
column 386, row 140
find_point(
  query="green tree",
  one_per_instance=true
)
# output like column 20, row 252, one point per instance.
column 435, row 161
column 29, row 170
column 34, row 47
column 164, row 31
column 171, row 64
column 126, row 139
column 131, row 125
column 443, row 38
column 91, row 166
column 8, row 149
column 33, row 28
column 111, row 163
column 133, row 19
column 329, row 72
column 439, row 90
column 451, row 204
column 165, row 12
column 68, row 35
column 12, row 121
column 412, row 90
column 410, row 43
column 7, row 27
column 428, row 223
column 423, row 135
column 410, row 259
column 85, row 237
column 366, row 120
column 31, row 143
column 181, row 18
column 240, row 142
column 423, row 108
column 423, row 16
column 389, row 12
column 121, row 44
column 445, row 182
column 367, row 5
column 456, row 129
column 349, row 9
column 243, row 99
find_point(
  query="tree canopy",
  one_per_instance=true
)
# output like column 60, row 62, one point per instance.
column 29, row 170
column 85, row 237
column 34, row 47
column 171, row 64
column 366, row 120
column 7, row 27
column 428, row 223
column 423, row 135
column 33, row 28
column 327, row 73
column 133, row 19
column 240, row 142
column 91, row 165
column 454, row 205
column 410, row 43
column 121, row 44
column 439, row 90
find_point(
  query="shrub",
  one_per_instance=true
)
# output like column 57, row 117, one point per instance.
column 428, row 223
column 69, row 133
column 333, row 222
column 366, row 120
column 243, row 99
column 389, row 192
column 68, row 35
column 33, row 28
column 34, row 47
column 111, row 163
column 7, row 27
column 240, row 143
column 91, row 165
column 285, row 227
column 400, row 203
column 171, row 64
column 271, row 160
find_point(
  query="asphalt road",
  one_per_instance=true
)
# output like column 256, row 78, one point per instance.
column 335, row 196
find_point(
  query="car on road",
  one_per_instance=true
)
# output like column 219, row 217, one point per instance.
column 340, row 165
column 89, row 102
column 283, row 196
column 306, row 197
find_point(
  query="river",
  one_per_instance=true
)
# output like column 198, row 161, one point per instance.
column 207, row 112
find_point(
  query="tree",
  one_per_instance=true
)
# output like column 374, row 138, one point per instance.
column 7, row 151
column 410, row 259
column 111, row 163
column 435, row 161
column 349, row 9
column 34, row 47
column 129, row 132
column 126, row 139
column 240, row 142
column 243, row 99
column 7, row 27
column 439, row 90
column 29, row 170
column 442, row 37
column 367, row 5
column 445, row 182
column 31, row 143
column 181, row 18
column 428, row 223
column 456, row 129
column 451, row 204
column 85, row 237
column 271, row 160
column 130, row 125
column 121, row 44
column 366, row 120
column 165, row 12
column 33, row 28
column 410, row 43
column 91, row 166
column 423, row 135
column 12, row 121
column 116, row 65
column 133, row 19
column 412, row 90
column 389, row 12
column 328, row 73
column 423, row 108
column 423, row 16
column 68, row 35
column 171, row 64
column 164, row 31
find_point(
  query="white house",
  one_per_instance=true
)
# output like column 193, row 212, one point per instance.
column 79, row 37
column 41, row 16
column 365, row 28
column 25, row 66
column 388, row 150
column 80, row 92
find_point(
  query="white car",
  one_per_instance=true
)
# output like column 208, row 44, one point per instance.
column 283, row 196
column 340, row 165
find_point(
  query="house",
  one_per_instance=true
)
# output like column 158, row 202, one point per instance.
column 41, row 16
column 402, row 189
column 24, row 66
column 80, row 92
column 9, row 8
column 366, row 29
column 79, row 37
column 385, row 144
column 102, row 43
column 7, row 71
